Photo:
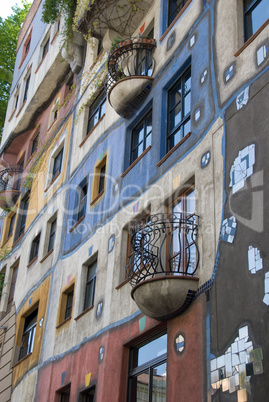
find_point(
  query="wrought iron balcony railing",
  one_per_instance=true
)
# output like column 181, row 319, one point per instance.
column 131, row 58
column 163, row 244
column 10, row 178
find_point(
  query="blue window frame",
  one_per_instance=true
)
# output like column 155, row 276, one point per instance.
column 256, row 12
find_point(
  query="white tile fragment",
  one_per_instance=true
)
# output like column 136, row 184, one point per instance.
column 231, row 384
column 266, row 299
column 243, row 332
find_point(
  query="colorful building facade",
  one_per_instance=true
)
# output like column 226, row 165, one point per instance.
column 133, row 188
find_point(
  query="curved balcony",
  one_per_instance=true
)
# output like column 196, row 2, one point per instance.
column 163, row 264
column 10, row 180
column 130, row 74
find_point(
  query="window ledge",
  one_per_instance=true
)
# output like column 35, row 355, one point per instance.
column 12, row 114
column 122, row 284
column 17, row 241
column 84, row 312
column 22, row 360
column 52, row 124
column 251, row 39
column 32, row 261
column 63, row 322
column 52, row 181
column 175, row 20
column 41, row 62
column 54, row 37
column 136, row 161
column 90, row 132
column 21, row 107
column 46, row 256
column 77, row 223
column 166, row 156
column 97, row 198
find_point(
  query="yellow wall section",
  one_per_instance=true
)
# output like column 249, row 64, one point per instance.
column 40, row 298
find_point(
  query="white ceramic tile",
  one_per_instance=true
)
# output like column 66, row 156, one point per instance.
column 243, row 332
column 243, row 357
column 266, row 299
column 213, row 364
column 236, row 377
column 253, row 271
column 259, row 264
column 241, row 345
column 267, row 274
column 220, row 361
column 235, row 359
column 266, row 285
column 228, row 364
column 225, row 385
column 232, row 384
column 235, row 347
column 251, row 258
column 214, row 376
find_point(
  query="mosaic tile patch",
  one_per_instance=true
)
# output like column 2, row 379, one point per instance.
column 180, row 343
column 142, row 323
column 266, row 289
column 197, row 115
column 232, row 371
column 242, row 167
column 242, row 98
column 192, row 40
column 87, row 379
column 261, row 54
column 229, row 73
column 101, row 353
column 255, row 262
column 228, row 229
column 111, row 243
column 203, row 77
column 99, row 309
column 205, row 159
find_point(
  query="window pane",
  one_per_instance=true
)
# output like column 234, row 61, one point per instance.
column 159, row 383
column 153, row 349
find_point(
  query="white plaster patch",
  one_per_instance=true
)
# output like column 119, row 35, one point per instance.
column 255, row 262
column 226, row 369
column 242, row 98
column 242, row 167
column 228, row 229
column 261, row 54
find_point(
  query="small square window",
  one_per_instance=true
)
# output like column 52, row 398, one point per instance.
column 52, row 235
column 90, row 286
column 26, row 87
column 256, row 12
column 179, row 110
column 35, row 247
column 141, row 136
column 28, row 336
column 97, row 111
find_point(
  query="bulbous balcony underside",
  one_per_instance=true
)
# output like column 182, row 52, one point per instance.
column 10, row 179
column 163, row 263
column 130, row 74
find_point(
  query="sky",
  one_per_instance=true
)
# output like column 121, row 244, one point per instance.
column 5, row 9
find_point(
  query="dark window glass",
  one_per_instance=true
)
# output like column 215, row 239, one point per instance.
column 174, row 7
column 28, row 336
column 183, row 253
column 12, row 287
column 256, row 13
column 35, row 247
column 65, row 396
column 23, row 215
column 97, row 110
column 179, row 110
column 141, row 136
column 26, row 88
column 147, row 375
column 90, row 286
column 27, row 47
column 57, row 165
column 45, row 48
column 52, row 235
column 11, row 225
column 16, row 101
column 2, row 281
column 34, row 144
column 82, row 201
column 102, row 179
column 69, row 304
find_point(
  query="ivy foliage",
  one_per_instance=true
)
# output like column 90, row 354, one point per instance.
column 9, row 31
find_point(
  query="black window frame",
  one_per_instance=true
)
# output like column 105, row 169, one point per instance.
column 29, row 331
column 35, row 247
column 69, row 303
column 248, row 10
column 22, row 216
column 90, row 286
column 174, row 9
column 172, row 131
column 27, row 83
column 45, row 48
column 11, row 225
column 135, row 370
column 52, row 234
column 136, row 130
column 98, row 108
column 57, row 166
